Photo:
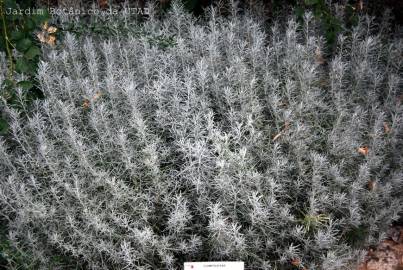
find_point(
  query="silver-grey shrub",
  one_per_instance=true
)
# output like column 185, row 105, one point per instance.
column 237, row 143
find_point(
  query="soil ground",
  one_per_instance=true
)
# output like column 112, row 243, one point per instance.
column 388, row 255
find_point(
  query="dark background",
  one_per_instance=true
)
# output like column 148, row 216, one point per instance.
column 373, row 7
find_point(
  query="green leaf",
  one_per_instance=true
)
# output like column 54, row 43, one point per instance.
column 317, row 12
column 299, row 12
column 25, row 66
column 24, row 44
column 2, row 44
column 21, row 65
column 16, row 35
column 29, row 24
column 26, row 85
column 311, row 2
column 8, row 84
column 3, row 126
column 32, row 52
column 32, row 66
column 26, row 4
column 41, row 16
column 191, row 4
column 10, row 4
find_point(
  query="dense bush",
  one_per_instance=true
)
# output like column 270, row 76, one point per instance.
column 235, row 144
column 18, row 43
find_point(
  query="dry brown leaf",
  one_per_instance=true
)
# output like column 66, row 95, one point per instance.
column 51, row 40
column 285, row 127
column 41, row 37
column 371, row 185
column 363, row 150
column 45, row 35
column 45, row 25
column 296, row 262
column 319, row 57
column 277, row 136
column 86, row 104
column 360, row 4
column 386, row 128
column 51, row 30
column 103, row 3
column 97, row 95
column 48, row 39
column 48, row 29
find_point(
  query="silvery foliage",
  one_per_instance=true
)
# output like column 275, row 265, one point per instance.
column 219, row 148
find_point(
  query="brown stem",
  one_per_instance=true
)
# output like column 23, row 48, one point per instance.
column 7, row 41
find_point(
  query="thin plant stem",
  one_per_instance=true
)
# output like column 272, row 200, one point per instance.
column 7, row 41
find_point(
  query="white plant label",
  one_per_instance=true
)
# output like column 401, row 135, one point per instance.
column 214, row 266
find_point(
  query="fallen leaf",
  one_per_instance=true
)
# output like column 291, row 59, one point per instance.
column 386, row 127
column 48, row 29
column 86, row 104
column 296, row 262
column 45, row 25
column 103, row 3
column 360, row 4
column 371, row 185
column 277, row 136
column 363, row 150
column 48, row 39
column 45, row 35
column 51, row 30
column 285, row 127
column 41, row 37
column 319, row 57
column 97, row 95
column 51, row 40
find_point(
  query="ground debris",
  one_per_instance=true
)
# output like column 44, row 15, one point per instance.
column 388, row 255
